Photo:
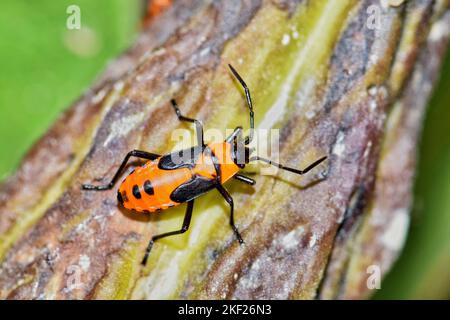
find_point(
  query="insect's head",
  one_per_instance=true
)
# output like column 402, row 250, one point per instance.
column 241, row 152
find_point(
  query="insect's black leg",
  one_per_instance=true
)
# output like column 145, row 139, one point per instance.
column 237, row 134
column 134, row 153
column 198, row 123
column 245, row 179
column 184, row 228
column 229, row 199
column 249, row 103
column 297, row 171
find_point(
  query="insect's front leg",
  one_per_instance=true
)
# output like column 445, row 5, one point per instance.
column 230, row 201
column 198, row 123
column 245, row 179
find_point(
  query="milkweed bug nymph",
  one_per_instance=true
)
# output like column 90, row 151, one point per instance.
column 180, row 177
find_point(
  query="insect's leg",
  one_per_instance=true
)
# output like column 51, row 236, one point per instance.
column 245, row 179
column 237, row 134
column 229, row 199
column 184, row 228
column 133, row 153
column 249, row 103
column 198, row 123
column 297, row 171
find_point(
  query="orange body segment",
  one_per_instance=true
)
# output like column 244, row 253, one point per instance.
column 148, row 188
column 228, row 168
column 204, row 166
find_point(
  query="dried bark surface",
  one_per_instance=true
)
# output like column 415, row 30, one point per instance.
column 331, row 84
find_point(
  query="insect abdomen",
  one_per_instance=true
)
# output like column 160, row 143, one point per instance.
column 148, row 188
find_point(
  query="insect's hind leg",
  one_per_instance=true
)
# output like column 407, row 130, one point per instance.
column 229, row 199
column 198, row 123
column 133, row 153
column 184, row 228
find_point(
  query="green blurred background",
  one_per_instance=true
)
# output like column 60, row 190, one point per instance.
column 44, row 67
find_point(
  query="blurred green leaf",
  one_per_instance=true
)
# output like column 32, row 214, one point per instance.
column 44, row 66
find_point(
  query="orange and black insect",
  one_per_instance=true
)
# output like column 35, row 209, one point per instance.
column 180, row 177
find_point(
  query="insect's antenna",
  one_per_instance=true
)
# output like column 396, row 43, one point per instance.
column 293, row 170
column 249, row 103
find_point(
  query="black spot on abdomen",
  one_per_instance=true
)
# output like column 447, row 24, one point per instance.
column 136, row 192
column 148, row 188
